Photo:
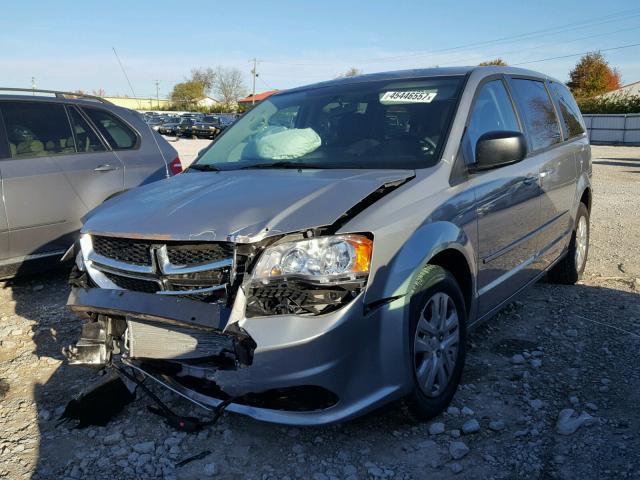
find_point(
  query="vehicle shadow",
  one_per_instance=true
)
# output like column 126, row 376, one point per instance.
column 383, row 436
column 618, row 162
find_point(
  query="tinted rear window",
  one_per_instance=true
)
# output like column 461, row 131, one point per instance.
column 539, row 115
column 119, row 135
column 37, row 129
column 571, row 117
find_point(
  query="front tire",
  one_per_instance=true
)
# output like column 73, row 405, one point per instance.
column 438, row 333
column 570, row 269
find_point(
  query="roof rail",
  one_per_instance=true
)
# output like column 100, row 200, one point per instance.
column 58, row 94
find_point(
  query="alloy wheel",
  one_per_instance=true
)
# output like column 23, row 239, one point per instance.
column 436, row 344
column 582, row 241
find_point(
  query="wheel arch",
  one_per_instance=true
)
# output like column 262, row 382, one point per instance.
column 454, row 261
column 439, row 243
column 586, row 198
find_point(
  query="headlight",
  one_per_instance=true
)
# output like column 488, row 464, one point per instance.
column 322, row 259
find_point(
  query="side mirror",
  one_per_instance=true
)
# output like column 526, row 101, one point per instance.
column 495, row 149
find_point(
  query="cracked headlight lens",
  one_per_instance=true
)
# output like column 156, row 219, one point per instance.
column 321, row 259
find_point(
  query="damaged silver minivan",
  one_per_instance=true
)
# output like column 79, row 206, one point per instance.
column 329, row 252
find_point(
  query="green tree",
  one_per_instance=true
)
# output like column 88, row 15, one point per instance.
column 593, row 76
column 186, row 94
column 495, row 61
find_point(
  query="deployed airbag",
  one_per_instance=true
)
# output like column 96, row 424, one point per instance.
column 287, row 144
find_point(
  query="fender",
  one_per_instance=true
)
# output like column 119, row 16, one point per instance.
column 395, row 279
column 583, row 183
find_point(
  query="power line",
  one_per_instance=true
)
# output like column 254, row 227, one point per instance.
column 579, row 54
column 614, row 17
column 536, row 47
column 265, row 83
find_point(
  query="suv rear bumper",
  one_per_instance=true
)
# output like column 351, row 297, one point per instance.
column 359, row 358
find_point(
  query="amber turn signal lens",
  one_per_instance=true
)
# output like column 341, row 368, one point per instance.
column 363, row 248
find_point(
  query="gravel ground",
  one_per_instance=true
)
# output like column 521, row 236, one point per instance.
column 551, row 388
column 187, row 148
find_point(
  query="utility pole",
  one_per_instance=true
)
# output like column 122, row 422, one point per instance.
column 254, row 73
column 33, row 85
column 158, row 93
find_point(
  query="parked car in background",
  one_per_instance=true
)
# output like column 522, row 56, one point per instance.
column 184, row 128
column 169, row 127
column 209, row 127
column 330, row 252
column 59, row 158
column 154, row 122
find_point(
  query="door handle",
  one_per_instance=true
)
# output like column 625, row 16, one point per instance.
column 545, row 173
column 104, row 168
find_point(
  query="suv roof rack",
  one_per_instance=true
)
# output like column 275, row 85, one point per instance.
column 56, row 93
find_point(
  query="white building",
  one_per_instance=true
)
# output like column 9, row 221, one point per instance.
column 629, row 89
column 207, row 102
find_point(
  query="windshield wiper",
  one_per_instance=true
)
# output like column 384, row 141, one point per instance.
column 279, row 164
column 204, row 167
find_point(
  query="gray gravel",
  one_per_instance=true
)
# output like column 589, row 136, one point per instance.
column 566, row 408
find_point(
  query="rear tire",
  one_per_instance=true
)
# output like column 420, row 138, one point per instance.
column 570, row 269
column 438, row 334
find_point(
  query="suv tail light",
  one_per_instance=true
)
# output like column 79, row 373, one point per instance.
column 175, row 167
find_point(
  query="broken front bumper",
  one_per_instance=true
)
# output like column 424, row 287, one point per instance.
column 303, row 370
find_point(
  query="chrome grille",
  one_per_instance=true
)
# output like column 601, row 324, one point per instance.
column 200, row 271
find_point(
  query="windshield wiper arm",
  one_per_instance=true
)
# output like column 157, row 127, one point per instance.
column 280, row 164
column 204, row 167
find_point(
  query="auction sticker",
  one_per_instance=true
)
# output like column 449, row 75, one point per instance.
column 407, row 96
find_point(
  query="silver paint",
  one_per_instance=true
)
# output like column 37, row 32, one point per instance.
column 509, row 225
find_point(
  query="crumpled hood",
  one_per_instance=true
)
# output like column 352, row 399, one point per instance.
column 240, row 205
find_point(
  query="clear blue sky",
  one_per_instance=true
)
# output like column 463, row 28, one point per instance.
column 68, row 45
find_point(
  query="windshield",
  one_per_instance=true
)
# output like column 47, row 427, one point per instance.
column 383, row 124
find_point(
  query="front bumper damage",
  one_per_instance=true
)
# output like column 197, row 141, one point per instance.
column 282, row 368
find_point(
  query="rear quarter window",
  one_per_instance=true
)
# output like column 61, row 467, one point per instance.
column 119, row 135
column 571, row 117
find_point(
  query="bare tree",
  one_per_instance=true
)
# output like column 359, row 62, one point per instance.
column 205, row 76
column 100, row 92
column 229, row 86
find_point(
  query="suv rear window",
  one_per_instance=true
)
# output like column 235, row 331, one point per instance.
column 118, row 134
column 86, row 139
column 571, row 116
column 539, row 115
column 375, row 124
column 37, row 129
